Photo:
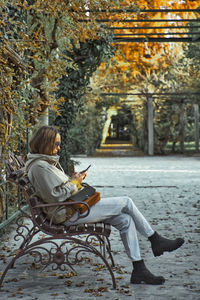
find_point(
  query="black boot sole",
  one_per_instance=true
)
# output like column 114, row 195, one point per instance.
column 159, row 281
column 160, row 251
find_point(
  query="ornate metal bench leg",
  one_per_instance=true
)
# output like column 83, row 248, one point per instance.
column 12, row 262
column 107, row 249
column 19, row 250
column 9, row 266
column 111, row 257
column 109, row 269
column 90, row 248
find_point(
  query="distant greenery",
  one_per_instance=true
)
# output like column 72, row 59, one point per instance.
column 188, row 147
column 85, row 136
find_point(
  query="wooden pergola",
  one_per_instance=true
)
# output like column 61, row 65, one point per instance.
column 133, row 33
column 170, row 33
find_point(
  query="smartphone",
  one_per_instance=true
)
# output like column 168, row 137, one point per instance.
column 85, row 169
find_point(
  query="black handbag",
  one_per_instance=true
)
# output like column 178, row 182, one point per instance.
column 84, row 193
column 88, row 195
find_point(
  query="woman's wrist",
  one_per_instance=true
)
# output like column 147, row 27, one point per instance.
column 76, row 182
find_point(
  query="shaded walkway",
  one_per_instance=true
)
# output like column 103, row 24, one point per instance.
column 115, row 148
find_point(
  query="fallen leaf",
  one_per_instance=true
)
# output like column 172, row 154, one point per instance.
column 80, row 284
column 89, row 291
column 102, row 289
column 68, row 283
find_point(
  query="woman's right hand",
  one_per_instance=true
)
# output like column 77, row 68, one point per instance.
column 79, row 176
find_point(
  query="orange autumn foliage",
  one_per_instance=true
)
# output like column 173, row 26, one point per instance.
column 136, row 60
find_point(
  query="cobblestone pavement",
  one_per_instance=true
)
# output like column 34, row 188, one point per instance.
column 166, row 189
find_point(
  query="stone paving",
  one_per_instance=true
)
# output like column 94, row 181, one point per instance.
column 166, row 189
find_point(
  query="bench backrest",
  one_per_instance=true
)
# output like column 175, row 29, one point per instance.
column 18, row 176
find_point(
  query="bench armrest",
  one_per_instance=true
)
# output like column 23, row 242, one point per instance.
column 60, row 205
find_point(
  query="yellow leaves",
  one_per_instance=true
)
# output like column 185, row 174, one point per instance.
column 8, row 108
column 36, row 35
column 75, row 5
column 134, row 73
column 60, row 100
column 54, row 108
column 19, row 3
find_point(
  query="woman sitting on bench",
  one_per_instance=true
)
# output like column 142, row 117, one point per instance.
column 53, row 185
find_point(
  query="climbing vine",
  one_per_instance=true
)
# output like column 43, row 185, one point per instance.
column 73, row 86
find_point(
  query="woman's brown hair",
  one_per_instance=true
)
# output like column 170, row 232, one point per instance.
column 43, row 140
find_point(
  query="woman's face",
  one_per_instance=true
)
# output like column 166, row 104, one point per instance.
column 57, row 143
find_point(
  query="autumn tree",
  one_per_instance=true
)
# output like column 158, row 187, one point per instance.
column 35, row 39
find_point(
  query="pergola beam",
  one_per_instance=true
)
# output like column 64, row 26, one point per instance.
column 159, row 37
column 128, row 10
column 157, row 40
column 138, row 20
column 155, row 33
column 152, row 94
column 152, row 27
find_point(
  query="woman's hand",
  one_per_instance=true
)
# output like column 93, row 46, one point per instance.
column 79, row 176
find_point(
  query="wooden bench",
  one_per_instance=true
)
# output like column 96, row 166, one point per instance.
column 59, row 246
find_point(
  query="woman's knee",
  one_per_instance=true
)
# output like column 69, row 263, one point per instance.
column 121, row 222
column 129, row 202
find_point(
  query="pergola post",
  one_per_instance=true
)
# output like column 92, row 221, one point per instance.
column 196, row 126
column 150, row 127
column 182, row 131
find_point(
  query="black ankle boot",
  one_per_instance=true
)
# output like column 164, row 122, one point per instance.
column 160, row 244
column 141, row 274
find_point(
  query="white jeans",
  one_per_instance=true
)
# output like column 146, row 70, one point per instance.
column 122, row 213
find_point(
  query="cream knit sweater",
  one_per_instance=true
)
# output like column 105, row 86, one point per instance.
column 50, row 182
